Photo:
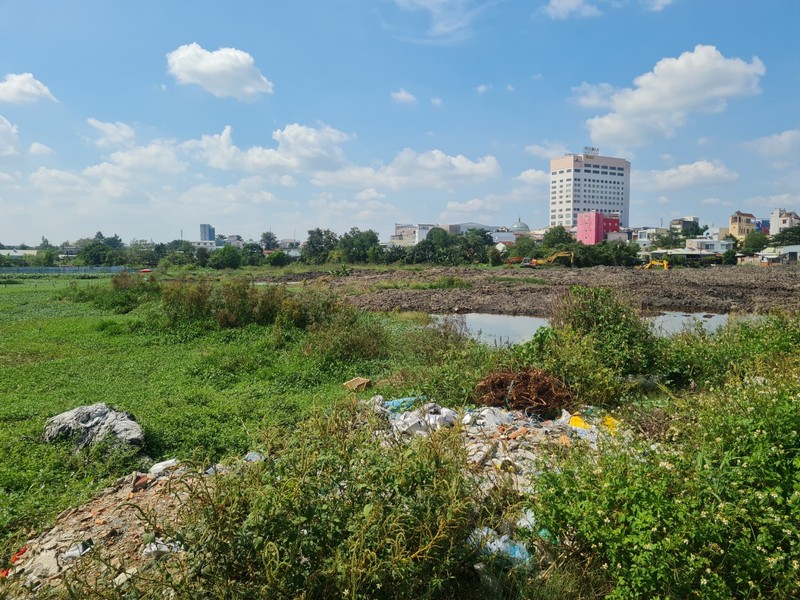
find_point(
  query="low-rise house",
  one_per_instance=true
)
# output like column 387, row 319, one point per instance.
column 742, row 224
column 783, row 219
column 716, row 246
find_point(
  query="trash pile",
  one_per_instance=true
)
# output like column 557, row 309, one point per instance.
column 500, row 443
column 504, row 445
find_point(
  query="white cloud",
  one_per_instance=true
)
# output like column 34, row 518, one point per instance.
column 299, row 148
column 780, row 146
column 534, row 177
column 700, row 81
column 510, row 88
column 226, row 72
column 564, row 9
column 409, row 169
column 547, row 150
column 402, row 96
column 451, row 20
column 436, row 101
column 369, row 194
column 228, row 199
column 18, row 89
column 37, row 149
column 8, row 137
column 112, row 134
column 57, row 181
column 6, row 178
column 700, row 173
column 662, row 200
column 157, row 157
column 483, row 88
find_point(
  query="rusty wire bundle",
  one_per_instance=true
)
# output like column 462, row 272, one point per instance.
column 532, row 390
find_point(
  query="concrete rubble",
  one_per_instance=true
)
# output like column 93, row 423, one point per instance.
column 112, row 521
column 92, row 424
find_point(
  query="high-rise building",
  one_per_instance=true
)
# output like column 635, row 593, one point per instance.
column 207, row 232
column 589, row 182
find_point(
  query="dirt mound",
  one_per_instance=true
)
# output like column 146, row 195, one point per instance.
column 536, row 392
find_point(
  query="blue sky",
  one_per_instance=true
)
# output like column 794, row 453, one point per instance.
column 148, row 118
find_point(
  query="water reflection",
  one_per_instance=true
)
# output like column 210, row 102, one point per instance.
column 504, row 330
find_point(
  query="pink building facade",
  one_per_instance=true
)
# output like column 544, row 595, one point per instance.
column 594, row 226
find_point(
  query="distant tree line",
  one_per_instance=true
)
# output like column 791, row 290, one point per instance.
column 323, row 246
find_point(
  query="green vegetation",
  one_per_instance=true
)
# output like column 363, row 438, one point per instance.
column 697, row 495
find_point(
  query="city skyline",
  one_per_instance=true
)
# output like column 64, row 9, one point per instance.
column 145, row 120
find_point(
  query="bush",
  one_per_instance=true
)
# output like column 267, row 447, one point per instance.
column 334, row 511
column 715, row 513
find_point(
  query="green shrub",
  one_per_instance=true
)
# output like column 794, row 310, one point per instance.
column 351, row 336
column 623, row 340
column 334, row 511
column 712, row 513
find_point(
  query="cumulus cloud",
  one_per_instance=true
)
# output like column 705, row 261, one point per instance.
column 564, row 9
column 700, row 81
column 547, row 150
column 57, row 181
column 8, row 137
column 700, row 173
column 774, row 200
column 37, row 149
column 112, row 135
column 19, row 89
column 226, row 72
column 483, row 88
column 411, row 169
column 534, row 177
column 436, row 101
column 228, row 199
column 299, row 147
column 402, row 96
column 780, row 146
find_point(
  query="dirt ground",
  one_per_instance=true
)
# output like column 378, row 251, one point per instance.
column 531, row 292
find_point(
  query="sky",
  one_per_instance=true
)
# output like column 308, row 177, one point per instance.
column 145, row 119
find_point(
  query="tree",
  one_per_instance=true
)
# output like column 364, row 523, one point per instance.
column 46, row 257
column 277, row 259
column 94, row 254
column 45, row 244
column 355, row 245
column 693, row 230
column 252, row 254
column 201, row 256
column 670, row 239
column 755, row 241
column 475, row 245
column 269, row 241
column 787, row 237
column 227, row 257
column 557, row 237
column 318, row 246
column 729, row 257
column 525, row 246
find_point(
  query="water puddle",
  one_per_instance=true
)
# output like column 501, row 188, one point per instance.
column 505, row 330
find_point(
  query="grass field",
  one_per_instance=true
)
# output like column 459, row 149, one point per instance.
column 192, row 388
column 700, row 499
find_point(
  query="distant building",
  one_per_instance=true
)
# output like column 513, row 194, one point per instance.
column 207, row 232
column 718, row 246
column 581, row 183
column 783, row 219
column 594, row 227
column 742, row 224
column 684, row 224
column 209, row 245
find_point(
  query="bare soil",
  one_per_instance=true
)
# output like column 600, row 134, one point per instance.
column 531, row 292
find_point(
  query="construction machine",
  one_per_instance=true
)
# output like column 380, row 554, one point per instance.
column 657, row 263
column 539, row 262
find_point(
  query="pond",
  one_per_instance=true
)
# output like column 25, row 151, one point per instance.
column 503, row 330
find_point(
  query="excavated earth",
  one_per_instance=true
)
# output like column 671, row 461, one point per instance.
column 532, row 292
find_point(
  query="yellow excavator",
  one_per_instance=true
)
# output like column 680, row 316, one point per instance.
column 657, row 263
column 539, row 262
